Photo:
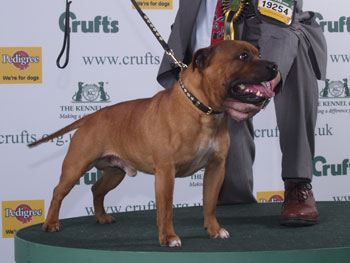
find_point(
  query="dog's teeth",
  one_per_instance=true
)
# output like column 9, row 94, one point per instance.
column 241, row 86
column 258, row 94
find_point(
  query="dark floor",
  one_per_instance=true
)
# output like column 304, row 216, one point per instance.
column 253, row 227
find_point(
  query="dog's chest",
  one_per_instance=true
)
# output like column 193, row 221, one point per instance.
column 200, row 159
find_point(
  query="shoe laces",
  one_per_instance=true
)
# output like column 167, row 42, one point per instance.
column 299, row 191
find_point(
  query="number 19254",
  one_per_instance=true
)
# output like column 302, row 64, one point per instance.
column 276, row 7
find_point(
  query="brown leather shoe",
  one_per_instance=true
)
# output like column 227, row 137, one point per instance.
column 299, row 206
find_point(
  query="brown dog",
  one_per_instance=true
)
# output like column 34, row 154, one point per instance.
column 166, row 135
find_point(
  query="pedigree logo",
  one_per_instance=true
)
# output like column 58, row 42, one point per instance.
column 270, row 197
column 19, row 214
column 20, row 65
column 154, row 4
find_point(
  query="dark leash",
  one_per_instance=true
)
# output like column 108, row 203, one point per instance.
column 207, row 110
column 66, row 40
column 155, row 32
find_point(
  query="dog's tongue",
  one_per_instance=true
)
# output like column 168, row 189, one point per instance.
column 264, row 89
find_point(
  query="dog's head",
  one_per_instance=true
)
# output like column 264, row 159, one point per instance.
column 237, row 66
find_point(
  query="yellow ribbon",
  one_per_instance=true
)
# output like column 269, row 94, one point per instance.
column 233, row 11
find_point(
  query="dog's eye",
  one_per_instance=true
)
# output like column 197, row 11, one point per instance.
column 244, row 56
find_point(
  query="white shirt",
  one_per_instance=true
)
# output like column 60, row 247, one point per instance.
column 201, row 35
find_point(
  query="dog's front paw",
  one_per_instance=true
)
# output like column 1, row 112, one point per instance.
column 173, row 241
column 105, row 219
column 51, row 227
column 221, row 233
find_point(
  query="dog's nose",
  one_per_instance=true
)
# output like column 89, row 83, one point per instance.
column 272, row 66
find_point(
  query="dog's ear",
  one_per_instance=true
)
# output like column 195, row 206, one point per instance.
column 202, row 57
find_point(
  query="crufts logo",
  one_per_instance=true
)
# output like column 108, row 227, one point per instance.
column 18, row 214
column 92, row 26
column 335, row 89
column 341, row 25
column 270, row 197
column 322, row 168
column 91, row 93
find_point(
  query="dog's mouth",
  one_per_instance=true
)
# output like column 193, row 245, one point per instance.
column 252, row 93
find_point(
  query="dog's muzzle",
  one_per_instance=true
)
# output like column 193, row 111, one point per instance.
column 255, row 92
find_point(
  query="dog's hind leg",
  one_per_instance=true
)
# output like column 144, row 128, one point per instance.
column 72, row 170
column 110, row 179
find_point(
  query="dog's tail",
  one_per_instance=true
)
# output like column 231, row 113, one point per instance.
column 60, row 132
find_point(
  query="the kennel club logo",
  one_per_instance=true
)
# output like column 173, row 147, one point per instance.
column 87, row 99
column 91, row 93
column 335, row 89
column 334, row 98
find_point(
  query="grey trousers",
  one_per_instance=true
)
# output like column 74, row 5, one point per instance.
column 296, row 112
